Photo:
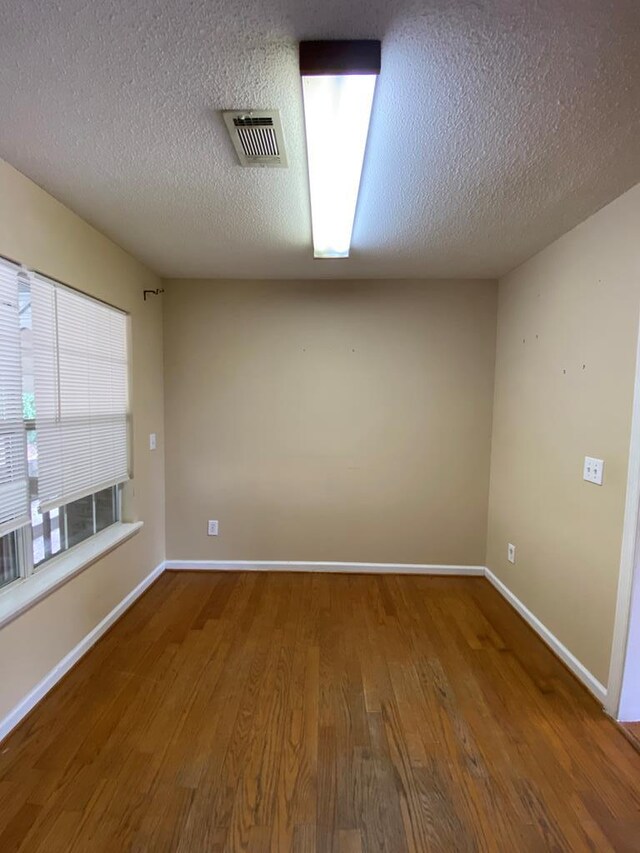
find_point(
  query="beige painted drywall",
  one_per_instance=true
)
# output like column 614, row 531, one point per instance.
column 39, row 232
column 565, row 368
column 333, row 420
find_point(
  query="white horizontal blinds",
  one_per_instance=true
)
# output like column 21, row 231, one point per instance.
column 81, row 393
column 14, row 491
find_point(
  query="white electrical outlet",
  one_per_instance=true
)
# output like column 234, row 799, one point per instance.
column 212, row 528
column 593, row 470
column 153, row 441
column 511, row 553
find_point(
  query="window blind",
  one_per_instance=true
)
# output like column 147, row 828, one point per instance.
column 14, row 491
column 80, row 349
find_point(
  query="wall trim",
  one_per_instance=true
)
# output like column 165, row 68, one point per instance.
column 568, row 658
column 20, row 711
column 304, row 566
column 628, row 560
column 559, row 649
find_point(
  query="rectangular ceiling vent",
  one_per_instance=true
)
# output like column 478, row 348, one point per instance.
column 257, row 137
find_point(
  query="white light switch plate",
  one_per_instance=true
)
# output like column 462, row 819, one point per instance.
column 593, row 470
column 153, row 441
column 511, row 553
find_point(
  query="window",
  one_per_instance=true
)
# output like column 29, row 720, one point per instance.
column 64, row 419
column 13, row 475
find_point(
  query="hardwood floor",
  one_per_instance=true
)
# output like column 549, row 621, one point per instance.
column 305, row 712
column 632, row 732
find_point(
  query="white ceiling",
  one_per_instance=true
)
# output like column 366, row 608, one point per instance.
column 497, row 126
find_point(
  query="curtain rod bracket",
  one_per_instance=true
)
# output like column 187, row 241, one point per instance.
column 156, row 292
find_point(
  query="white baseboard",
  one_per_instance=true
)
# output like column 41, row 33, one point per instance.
column 53, row 676
column 570, row 660
column 302, row 566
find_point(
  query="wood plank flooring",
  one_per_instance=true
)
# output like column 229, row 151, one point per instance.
column 315, row 712
column 632, row 731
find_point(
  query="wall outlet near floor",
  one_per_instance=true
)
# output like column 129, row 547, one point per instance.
column 153, row 441
column 593, row 470
column 212, row 528
column 511, row 553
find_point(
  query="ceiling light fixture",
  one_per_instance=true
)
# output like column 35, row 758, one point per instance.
column 338, row 81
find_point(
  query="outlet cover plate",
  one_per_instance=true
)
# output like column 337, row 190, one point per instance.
column 511, row 553
column 212, row 528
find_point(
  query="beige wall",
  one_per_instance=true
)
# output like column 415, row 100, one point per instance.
column 38, row 231
column 565, row 367
column 351, row 421
column 333, row 420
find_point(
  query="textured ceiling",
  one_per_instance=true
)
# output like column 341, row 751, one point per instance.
column 498, row 125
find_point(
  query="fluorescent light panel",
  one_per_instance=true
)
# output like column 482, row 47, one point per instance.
column 338, row 82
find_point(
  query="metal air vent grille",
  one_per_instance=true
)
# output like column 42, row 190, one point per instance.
column 257, row 137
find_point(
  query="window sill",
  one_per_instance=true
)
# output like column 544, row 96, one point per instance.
column 25, row 592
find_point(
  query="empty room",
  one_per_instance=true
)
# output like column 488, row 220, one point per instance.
column 319, row 426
